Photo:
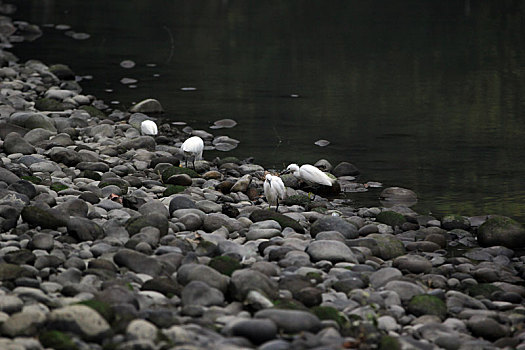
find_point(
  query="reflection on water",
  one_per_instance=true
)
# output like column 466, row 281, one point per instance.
column 420, row 94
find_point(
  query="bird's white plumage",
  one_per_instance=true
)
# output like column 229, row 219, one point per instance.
column 274, row 189
column 310, row 173
column 193, row 147
column 149, row 127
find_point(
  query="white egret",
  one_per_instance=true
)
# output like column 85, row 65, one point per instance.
column 274, row 190
column 309, row 174
column 192, row 148
column 149, row 127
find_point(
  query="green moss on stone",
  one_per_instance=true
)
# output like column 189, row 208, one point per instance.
column 427, row 305
column 31, row 178
column 49, row 104
column 391, row 218
column 389, row 343
column 298, row 199
column 482, row 289
column 103, row 308
column 175, row 170
column 289, row 304
column 122, row 184
column 225, row 264
column 57, row 340
column 57, row 187
column 173, row 189
column 330, row 313
column 94, row 112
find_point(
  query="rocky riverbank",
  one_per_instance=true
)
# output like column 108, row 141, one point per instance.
column 106, row 242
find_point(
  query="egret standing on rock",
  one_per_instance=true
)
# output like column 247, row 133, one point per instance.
column 192, row 148
column 149, row 127
column 274, row 190
column 309, row 174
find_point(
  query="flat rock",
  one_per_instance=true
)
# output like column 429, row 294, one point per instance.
column 333, row 251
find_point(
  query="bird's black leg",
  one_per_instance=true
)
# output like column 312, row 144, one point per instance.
column 193, row 163
column 277, row 207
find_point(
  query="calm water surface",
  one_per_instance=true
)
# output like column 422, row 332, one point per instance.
column 428, row 95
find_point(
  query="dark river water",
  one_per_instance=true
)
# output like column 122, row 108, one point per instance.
column 427, row 95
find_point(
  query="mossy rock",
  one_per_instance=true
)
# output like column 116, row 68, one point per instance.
column 94, row 112
column 31, row 178
column 425, row 304
column 90, row 174
column 137, row 223
column 289, row 304
column 482, row 289
column 103, row 308
column 391, row 218
column 298, row 199
column 175, row 170
column 389, row 343
column 57, row 340
column 49, row 104
column 225, row 264
column 330, row 313
column 206, row 248
column 62, row 71
column 36, row 216
column 173, row 189
column 455, row 221
column 283, row 220
column 386, row 246
column 501, row 230
column 120, row 183
column 10, row 272
column 57, row 186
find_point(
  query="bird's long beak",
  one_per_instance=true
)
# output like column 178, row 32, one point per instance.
column 285, row 171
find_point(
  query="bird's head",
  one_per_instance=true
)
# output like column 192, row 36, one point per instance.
column 292, row 168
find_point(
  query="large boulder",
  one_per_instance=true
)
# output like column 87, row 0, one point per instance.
column 334, row 223
column 501, row 230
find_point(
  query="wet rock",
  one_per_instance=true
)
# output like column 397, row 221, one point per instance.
column 381, row 277
column 257, row 331
column 147, row 106
column 200, row 293
column 412, row 263
column 333, row 251
column 397, row 195
column 427, row 305
column 23, row 324
column 345, row 169
column 14, row 143
column 81, row 320
column 141, row 330
column 486, row 327
column 334, row 223
column 503, row 231
column 291, row 321
column 406, row 290
column 83, row 229
column 137, row 262
column 244, row 281
column 196, row 272
column 36, row 216
column 384, row 246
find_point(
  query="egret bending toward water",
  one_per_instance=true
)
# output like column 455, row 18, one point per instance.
column 274, row 190
column 192, row 148
column 149, row 127
column 309, row 174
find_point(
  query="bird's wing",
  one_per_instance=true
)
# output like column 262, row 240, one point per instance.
column 313, row 174
column 279, row 186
